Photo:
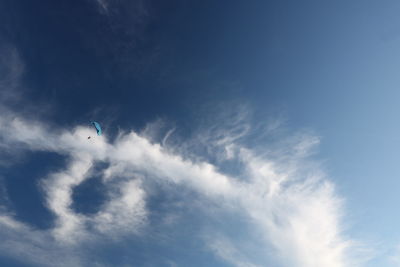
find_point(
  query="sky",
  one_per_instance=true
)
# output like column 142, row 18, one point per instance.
column 235, row 133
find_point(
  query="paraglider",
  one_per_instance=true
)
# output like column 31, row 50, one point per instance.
column 98, row 128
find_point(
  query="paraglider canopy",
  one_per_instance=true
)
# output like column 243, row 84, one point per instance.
column 97, row 126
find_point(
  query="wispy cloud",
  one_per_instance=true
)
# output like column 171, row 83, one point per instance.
column 11, row 69
column 226, row 250
column 296, row 210
column 286, row 198
column 103, row 5
column 26, row 244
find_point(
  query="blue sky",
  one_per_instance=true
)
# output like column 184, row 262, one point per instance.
column 235, row 134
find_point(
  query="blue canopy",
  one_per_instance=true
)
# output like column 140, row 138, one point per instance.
column 97, row 126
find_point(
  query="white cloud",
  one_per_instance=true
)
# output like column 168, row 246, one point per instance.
column 297, row 212
column 226, row 250
column 286, row 199
column 125, row 212
column 27, row 244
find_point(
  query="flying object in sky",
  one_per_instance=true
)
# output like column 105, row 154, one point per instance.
column 98, row 128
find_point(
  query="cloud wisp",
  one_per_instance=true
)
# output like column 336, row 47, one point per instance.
column 286, row 199
column 279, row 195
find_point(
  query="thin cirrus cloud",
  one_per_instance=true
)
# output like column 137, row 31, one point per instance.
column 285, row 201
column 298, row 214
